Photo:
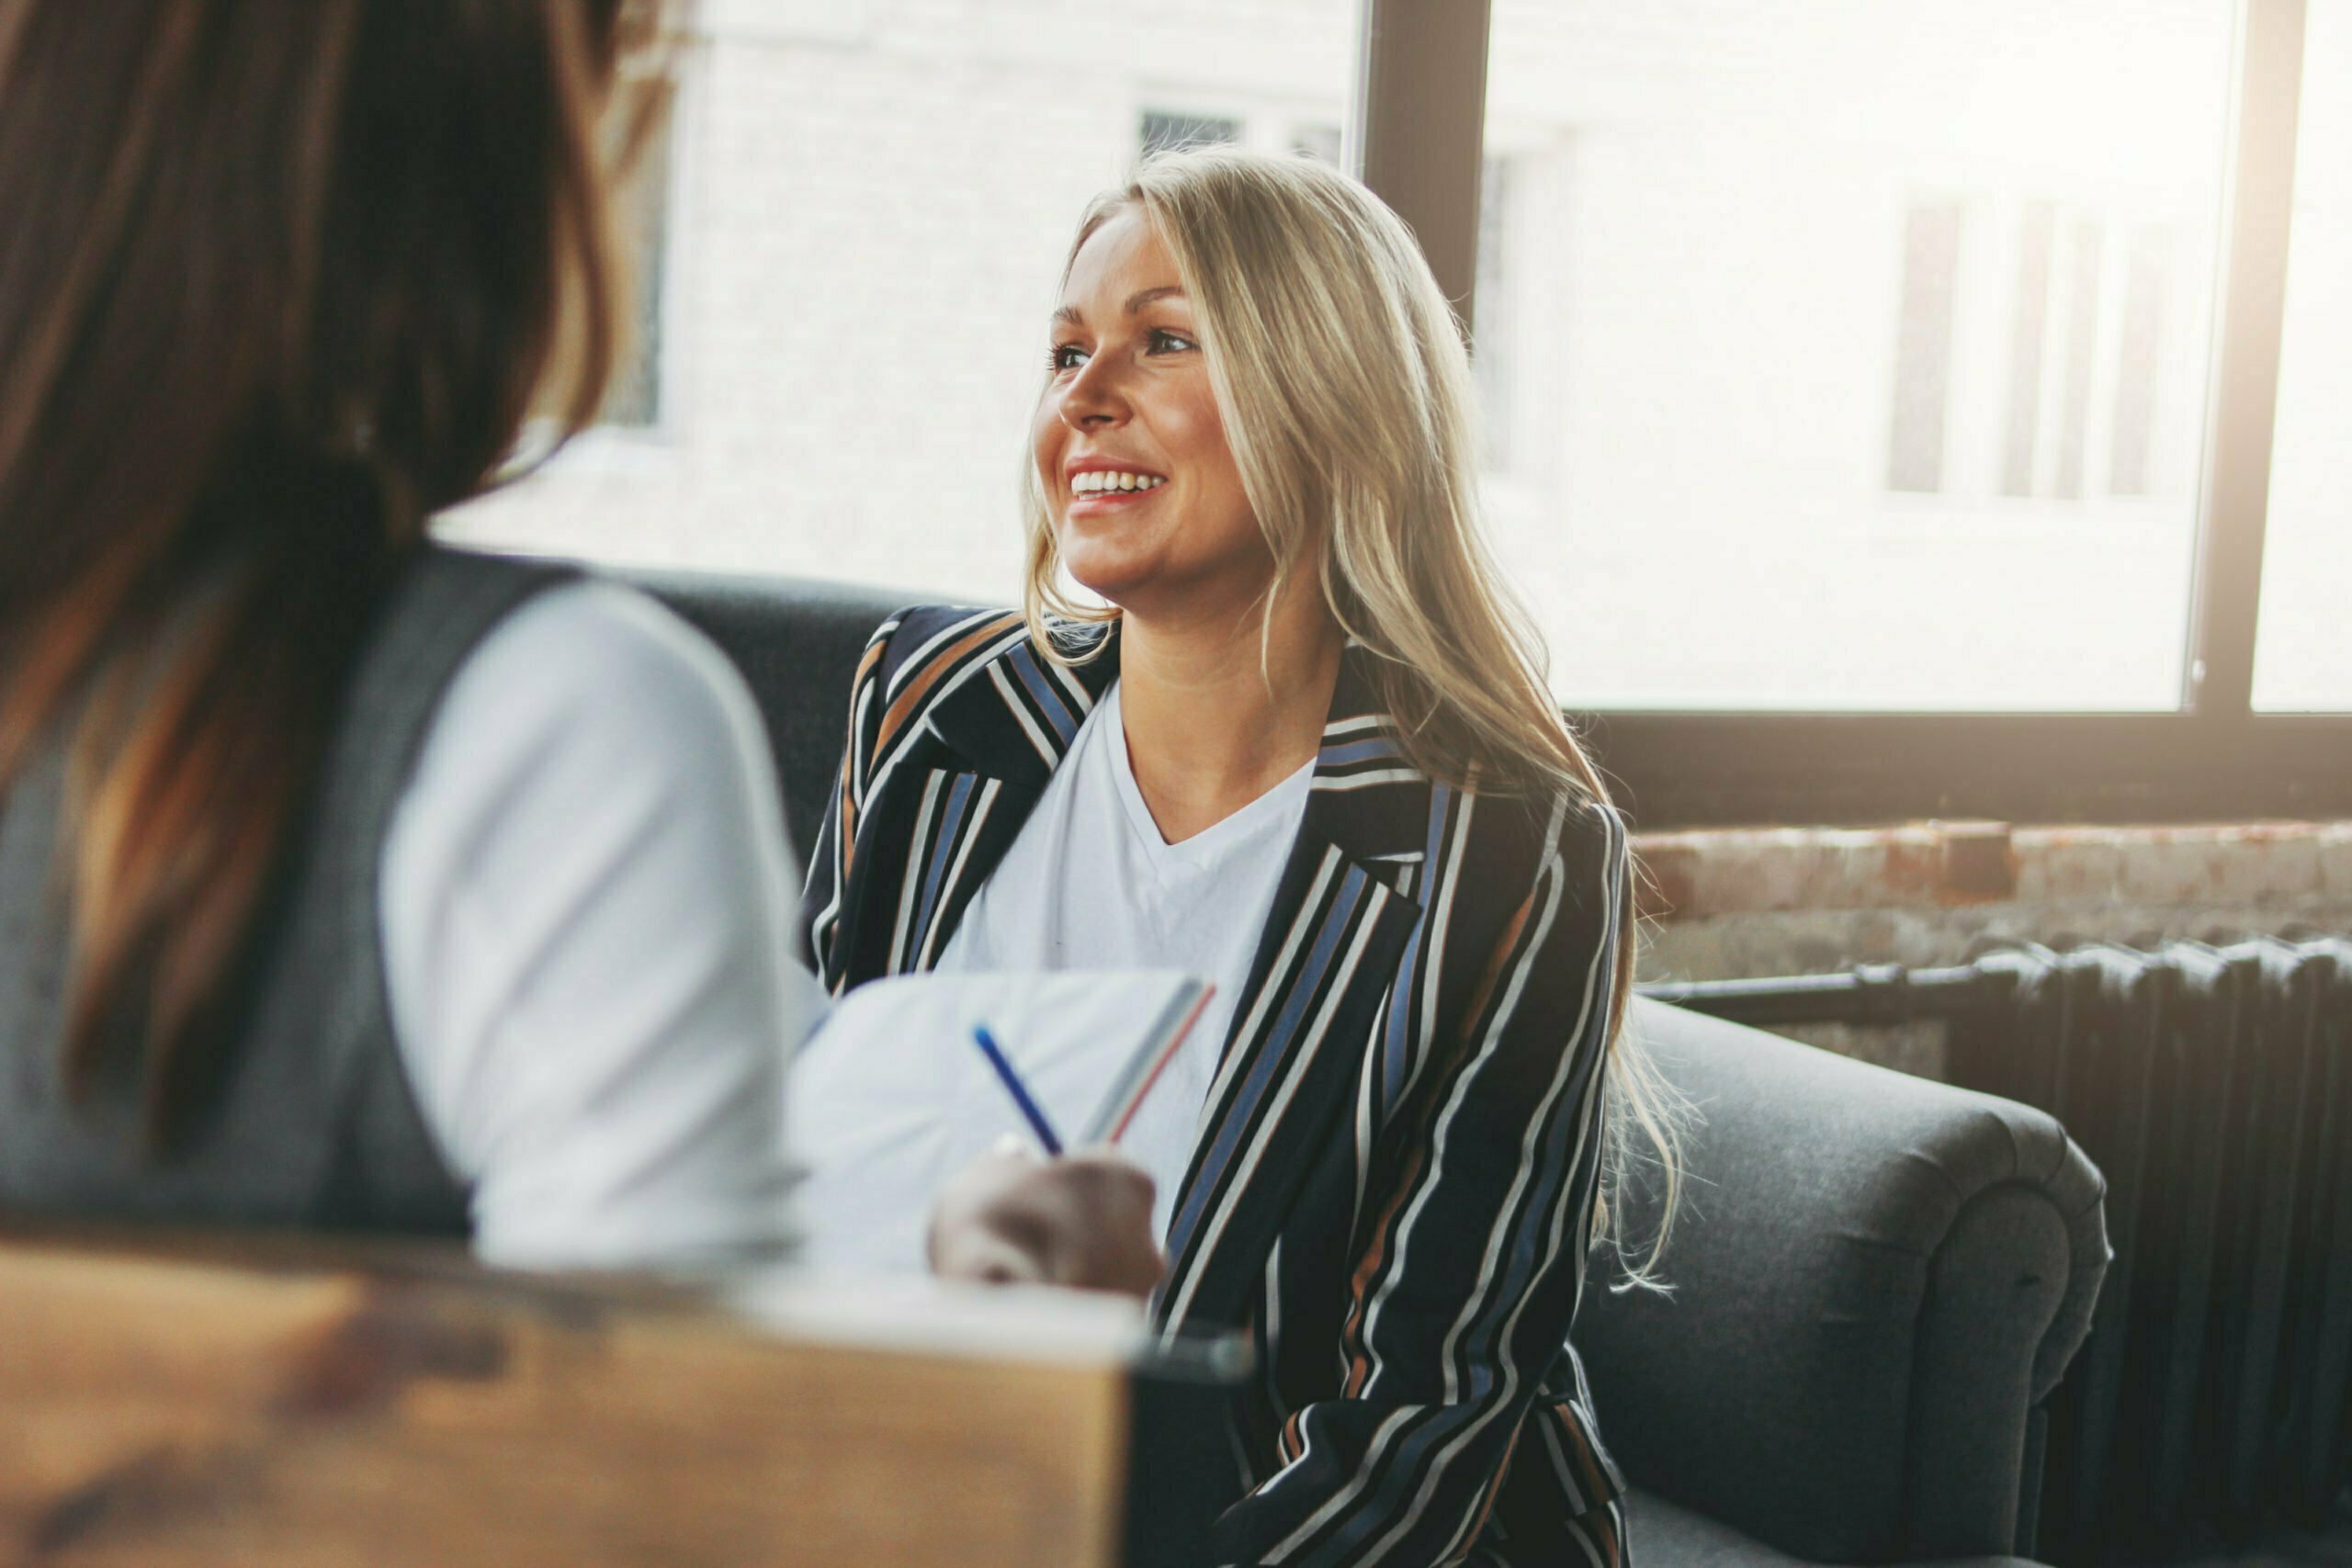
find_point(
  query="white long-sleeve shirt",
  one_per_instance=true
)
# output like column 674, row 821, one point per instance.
column 585, row 901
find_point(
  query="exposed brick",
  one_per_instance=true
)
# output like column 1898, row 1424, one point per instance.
column 2265, row 862
column 2110, row 884
column 1856, row 870
column 1975, row 863
column 2333, row 849
column 1781, row 870
column 2170, row 867
column 1914, row 868
column 2067, row 865
column 2258, row 866
column 1665, row 890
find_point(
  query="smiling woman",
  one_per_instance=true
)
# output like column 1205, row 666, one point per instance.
column 1303, row 751
column 1130, row 405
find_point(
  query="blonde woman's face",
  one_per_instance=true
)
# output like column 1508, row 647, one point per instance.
column 1130, row 446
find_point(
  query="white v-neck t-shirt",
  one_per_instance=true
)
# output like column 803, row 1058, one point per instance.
column 1090, row 884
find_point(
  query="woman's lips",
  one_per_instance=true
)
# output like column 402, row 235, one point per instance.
column 1103, row 503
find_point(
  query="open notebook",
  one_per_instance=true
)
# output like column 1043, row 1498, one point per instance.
column 889, row 1098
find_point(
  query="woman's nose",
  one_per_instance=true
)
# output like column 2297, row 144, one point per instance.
column 1093, row 398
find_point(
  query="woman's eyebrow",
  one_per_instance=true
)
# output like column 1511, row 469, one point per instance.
column 1069, row 315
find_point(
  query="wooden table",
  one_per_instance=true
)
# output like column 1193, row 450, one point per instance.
column 198, row 1404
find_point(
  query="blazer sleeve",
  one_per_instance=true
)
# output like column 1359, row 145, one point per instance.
column 829, row 860
column 1470, row 1247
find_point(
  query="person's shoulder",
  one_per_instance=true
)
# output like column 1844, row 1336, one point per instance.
column 923, row 638
column 594, row 665
column 1592, row 832
column 1582, row 818
column 600, row 636
column 1559, row 829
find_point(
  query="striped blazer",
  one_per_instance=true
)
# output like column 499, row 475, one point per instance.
column 1396, row 1170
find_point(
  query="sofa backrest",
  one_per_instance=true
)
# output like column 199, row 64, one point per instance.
column 796, row 643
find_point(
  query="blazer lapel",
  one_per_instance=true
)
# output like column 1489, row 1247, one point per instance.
column 991, row 743
column 976, row 757
column 1316, row 994
column 964, row 824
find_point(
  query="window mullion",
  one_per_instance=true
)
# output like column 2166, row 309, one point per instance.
column 2244, row 393
column 1418, row 131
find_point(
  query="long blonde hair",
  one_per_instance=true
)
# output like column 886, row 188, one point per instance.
column 1348, row 402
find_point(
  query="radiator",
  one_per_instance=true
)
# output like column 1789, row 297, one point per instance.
column 2214, row 1085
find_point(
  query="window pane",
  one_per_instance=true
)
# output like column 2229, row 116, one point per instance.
column 868, row 211
column 2303, row 656
column 641, row 215
column 1858, row 350
column 1162, row 132
column 1923, row 349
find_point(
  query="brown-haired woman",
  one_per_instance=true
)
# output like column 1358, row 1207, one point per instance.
column 345, row 881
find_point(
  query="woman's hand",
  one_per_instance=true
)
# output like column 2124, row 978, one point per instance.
column 1083, row 1221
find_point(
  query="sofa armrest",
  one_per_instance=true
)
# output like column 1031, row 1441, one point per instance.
column 1661, row 1532
column 1875, row 1278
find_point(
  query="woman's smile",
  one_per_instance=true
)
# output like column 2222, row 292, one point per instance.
column 1101, row 489
column 1128, row 409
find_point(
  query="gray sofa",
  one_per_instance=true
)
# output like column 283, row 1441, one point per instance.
column 1878, row 1279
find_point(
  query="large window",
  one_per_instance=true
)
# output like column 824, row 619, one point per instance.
column 2304, row 661
column 1859, row 348
column 1878, row 395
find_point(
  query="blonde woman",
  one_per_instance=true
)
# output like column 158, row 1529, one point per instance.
column 1306, row 752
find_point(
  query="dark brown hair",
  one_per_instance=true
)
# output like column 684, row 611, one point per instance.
column 282, row 278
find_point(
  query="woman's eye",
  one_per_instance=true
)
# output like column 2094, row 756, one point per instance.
column 1065, row 356
column 1165, row 342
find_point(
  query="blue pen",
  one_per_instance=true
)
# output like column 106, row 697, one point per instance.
column 1016, row 1087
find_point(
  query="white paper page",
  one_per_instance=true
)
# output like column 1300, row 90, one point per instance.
column 890, row 1097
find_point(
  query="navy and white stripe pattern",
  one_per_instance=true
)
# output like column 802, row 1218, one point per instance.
column 1395, row 1175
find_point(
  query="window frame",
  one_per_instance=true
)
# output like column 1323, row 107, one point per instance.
column 1417, row 137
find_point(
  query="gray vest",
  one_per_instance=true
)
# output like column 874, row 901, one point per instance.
column 313, row 1122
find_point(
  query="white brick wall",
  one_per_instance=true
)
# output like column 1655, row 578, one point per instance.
column 871, row 209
